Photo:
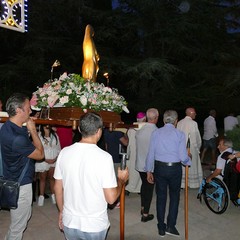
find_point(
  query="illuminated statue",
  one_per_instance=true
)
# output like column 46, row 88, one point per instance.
column 90, row 63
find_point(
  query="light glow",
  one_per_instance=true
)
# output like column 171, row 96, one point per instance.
column 13, row 15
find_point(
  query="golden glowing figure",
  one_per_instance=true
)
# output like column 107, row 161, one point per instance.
column 90, row 63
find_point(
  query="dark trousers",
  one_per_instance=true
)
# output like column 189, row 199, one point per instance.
column 167, row 178
column 146, row 193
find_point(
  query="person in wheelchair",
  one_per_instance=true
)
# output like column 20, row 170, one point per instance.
column 226, row 169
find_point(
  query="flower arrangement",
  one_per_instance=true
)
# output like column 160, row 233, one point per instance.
column 74, row 91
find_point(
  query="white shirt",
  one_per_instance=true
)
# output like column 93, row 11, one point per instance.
column 85, row 170
column 229, row 123
column 210, row 128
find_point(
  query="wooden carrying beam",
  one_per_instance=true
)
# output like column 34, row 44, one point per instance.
column 72, row 123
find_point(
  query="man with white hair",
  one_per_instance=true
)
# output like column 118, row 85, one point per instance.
column 142, row 144
column 167, row 152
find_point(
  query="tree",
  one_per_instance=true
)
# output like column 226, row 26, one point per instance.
column 155, row 53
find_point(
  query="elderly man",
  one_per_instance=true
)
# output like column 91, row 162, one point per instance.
column 225, row 170
column 142, row 144
column 167, row 152
column 190, row 129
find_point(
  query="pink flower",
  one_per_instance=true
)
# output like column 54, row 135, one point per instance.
column 34, row 99
column 52, row 100
column 46, row 85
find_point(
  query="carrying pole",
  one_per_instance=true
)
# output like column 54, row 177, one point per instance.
column 122, row 211
column 186, row 192
column 186, row 203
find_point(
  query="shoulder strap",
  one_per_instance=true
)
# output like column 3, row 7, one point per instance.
column 1, row 164
column 24, row 171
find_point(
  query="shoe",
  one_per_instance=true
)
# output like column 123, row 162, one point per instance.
column 40, row 201
column 53, row 199
column 172, row 231
column 147, row 218
column 161, row 232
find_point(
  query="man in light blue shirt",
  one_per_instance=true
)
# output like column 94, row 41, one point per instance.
column 167, row 152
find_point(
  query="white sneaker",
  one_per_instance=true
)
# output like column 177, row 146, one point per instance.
column 40, row 201
column 53, row 199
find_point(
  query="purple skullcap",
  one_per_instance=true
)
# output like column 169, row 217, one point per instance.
column 141, row 115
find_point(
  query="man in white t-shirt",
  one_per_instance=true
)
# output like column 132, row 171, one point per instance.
column 209, row 135
column 86, row 183
column 230, row 122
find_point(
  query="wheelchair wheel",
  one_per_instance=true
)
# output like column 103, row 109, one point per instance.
column 216, row 196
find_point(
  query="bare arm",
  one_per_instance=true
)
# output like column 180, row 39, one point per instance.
column 214, row 174
column 111, row 194
column 58, row 188
column 38, row 153
column 124, row 140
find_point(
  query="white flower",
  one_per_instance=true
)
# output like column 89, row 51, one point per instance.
column 125, row 109
column 63, row 76
column 83, row 100
column 105, row 102
column 69, row 91
column 64, row 100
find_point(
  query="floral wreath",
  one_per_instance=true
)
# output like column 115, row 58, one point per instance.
column 74, row 91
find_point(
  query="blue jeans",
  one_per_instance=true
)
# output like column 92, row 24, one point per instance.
column 167, row 177
column 75, row 234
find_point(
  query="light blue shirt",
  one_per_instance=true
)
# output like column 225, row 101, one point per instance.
column 167, row 144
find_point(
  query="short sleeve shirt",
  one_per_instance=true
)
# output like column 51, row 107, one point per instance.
column 16, row 147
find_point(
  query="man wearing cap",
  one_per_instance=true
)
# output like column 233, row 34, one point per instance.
column 142, row 144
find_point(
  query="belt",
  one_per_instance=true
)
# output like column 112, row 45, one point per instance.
column 168, row 164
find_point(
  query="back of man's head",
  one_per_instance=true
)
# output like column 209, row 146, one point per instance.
column 15, row 101
column 170, row 116
column 89, row 124
column 152, row 115
column 213, row 113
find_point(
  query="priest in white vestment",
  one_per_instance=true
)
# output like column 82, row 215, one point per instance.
column 190, row 128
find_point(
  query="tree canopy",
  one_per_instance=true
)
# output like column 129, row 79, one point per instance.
column 156, row 54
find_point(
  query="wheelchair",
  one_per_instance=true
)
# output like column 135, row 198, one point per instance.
column 215, row 195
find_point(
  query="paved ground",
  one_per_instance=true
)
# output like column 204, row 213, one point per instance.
column 203, row 224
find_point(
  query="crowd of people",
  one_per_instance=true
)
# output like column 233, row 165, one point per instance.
column 90, row 162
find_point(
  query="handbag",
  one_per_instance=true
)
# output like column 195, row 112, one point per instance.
column 9, row 191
